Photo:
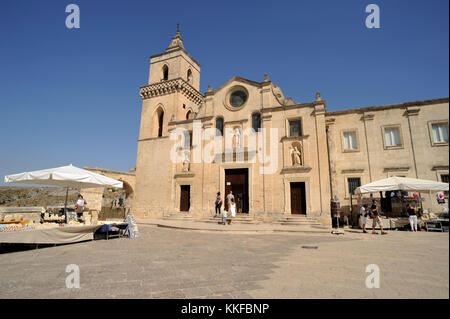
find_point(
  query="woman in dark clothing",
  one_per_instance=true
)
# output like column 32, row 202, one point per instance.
column 218, row 204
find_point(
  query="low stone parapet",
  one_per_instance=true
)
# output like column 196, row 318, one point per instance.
column 32, row 214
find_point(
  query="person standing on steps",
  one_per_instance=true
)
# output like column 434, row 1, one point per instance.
column 232, row 210
column 239, row 203
column 230, row 197
column 218, row 204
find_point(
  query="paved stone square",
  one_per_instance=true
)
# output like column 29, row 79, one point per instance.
column 170, row 263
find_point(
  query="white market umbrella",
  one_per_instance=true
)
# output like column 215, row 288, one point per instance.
column 65, row 176
column 402, row 183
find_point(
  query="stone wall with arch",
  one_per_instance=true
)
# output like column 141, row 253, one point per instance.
column 94, row 196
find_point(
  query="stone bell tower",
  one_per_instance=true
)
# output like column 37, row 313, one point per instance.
column 170, row 97
column 174, row 63
column 172, row 90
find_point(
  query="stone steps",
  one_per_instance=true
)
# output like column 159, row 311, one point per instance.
column 179, row 217
column 301, row 220
column 300, row 224
column 237, row 219
column 297, row 221
column 217, row 220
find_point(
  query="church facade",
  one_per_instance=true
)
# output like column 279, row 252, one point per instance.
column 277, row 156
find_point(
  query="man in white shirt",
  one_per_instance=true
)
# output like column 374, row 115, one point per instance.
column 229, row 197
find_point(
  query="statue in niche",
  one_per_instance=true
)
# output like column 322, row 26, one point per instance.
column 237, row 136
column 186, row 161
column 296, row 156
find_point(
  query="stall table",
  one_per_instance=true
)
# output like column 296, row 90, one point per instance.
column 107, row 228
column 433, row 225
column 54, row 235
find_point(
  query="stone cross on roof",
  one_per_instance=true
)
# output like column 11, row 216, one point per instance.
column 177, row 41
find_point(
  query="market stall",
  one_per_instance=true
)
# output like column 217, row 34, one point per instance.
column 51, row 232
column 396, row 192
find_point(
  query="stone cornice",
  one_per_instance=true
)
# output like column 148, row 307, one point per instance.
column 396, row 169
column 352, row 170
column 390, row 106
column 295, row 169
column 171, row 86
column 177, row 49
column 294, row 106
column 152, row 138
column 184, row 175
column 202, row 119
column 236, row 121
column 239, row 79
column 440, row 168
column 293, row 138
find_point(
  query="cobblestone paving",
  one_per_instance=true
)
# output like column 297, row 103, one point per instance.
column 169, row 263
column 161, row 263
column 411, row 265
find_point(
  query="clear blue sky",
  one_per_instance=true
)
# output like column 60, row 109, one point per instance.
column 72, row 96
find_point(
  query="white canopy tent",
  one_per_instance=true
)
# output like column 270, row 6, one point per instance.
column 403, row 184
column 65, row 176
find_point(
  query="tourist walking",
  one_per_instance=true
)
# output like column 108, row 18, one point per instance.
column 218, row 204
column 232, row 210
column 363, row 216
column 224, row 217
column 412, row 217
column 376, row 218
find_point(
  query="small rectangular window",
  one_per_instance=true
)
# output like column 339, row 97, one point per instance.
column 350, row 141
column 187, row 139
column 392, row 137
column 295, row 128
column 440, row 132
column 256, row 121
column 219, row 126
column 353, row 183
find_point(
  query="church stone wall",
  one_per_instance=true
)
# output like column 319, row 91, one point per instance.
column 323, row 165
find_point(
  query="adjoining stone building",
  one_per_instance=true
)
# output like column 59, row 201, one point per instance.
column 315, row 157
column 371, row 143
